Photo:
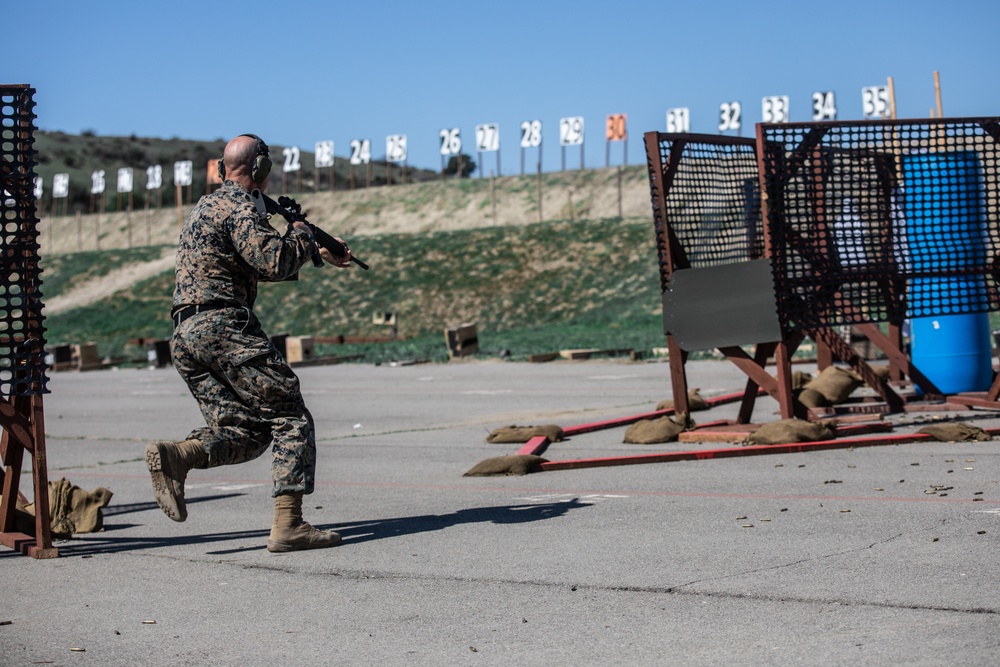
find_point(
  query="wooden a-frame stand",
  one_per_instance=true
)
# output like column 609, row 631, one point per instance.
column 24, row 433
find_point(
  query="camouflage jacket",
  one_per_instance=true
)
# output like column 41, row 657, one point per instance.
column 226, row 247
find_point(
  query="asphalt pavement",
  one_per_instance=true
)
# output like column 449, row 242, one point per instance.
column 866, row 556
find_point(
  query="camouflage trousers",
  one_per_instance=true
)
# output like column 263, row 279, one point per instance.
column 249, row 396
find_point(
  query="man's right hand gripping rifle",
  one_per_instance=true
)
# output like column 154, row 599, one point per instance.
column 330, row 248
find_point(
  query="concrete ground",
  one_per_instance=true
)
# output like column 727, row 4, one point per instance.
column 868, row 556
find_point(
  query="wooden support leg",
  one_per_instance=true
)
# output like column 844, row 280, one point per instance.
column 14, row 443
column 783, row 361
column 678, row 376
column 761, row 355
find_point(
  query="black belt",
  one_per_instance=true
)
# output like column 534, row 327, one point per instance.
column 184, row 312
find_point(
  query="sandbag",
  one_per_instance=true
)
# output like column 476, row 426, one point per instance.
column 790, row 431
column 522, row 434
column 656, row 431
column 696, row 402
column 835, row 383
column 515, row 464
column 956, row 432
column 800, row 379
column 811, row 398
column 73, row 510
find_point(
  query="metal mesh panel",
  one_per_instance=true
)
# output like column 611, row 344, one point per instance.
column 22, row 342
column 710, row 199
column 875, row 221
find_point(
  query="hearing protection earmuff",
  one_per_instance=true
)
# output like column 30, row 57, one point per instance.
column 261, row 162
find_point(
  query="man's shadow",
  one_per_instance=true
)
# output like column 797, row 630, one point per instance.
column 354, row 532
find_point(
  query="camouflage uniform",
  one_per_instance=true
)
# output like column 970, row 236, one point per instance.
column 248, row 395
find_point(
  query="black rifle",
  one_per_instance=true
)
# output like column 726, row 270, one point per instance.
column 291, row 211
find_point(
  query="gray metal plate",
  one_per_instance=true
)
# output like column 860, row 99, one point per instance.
column 720, row 306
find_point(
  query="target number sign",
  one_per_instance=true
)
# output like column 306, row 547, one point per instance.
column 60, row 186
column 125, row 179
column 729, row 116
column 292, row 156
column 395, row 148
column 451, row 141
column 875, row 102
column 616, row 127
column 361, row 151
column 531, row 133
column 571, row 131
column 183, row 172
column 487, row 137
column 774, row 109
column 679, row 120
column 154, row 177
column 824, row 106
column 97, row 182
column 324, row 154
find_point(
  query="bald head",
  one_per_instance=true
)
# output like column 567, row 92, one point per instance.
column 239, row 156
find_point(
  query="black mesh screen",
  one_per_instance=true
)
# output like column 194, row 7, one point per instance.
column 22, row 342
column 874, row 221
column 711, row 199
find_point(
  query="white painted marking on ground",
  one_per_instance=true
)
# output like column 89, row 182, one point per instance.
column 487, row 392
column 586, row 499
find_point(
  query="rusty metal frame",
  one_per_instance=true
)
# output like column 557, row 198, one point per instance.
column 829, row 344
column 672, row 257
column 21, row 409
column 812, row 155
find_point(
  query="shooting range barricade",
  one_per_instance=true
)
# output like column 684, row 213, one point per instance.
column 810, row 227
column 23, row 376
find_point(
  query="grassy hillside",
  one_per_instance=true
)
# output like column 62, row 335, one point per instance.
column 531, row 289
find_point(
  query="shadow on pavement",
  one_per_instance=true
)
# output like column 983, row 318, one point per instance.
column 353, row 532
column 363, row 531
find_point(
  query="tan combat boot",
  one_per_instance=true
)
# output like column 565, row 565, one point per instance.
column 291, row 533
column 169, row 463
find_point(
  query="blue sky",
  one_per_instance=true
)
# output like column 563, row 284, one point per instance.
column 300, row 72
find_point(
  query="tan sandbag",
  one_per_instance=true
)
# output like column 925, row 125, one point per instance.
column 73, row 510
column 835, row 383
column 515, row 464
column 522, row 434
column 811, row 398
column 788, row 431
column 956, row 432
column 696, row 402
column 656, row 431
column 800, row 379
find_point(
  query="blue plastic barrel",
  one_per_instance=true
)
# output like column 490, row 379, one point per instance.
column 946, row 230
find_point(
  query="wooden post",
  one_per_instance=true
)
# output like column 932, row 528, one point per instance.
column 620, row 216
column 937, row 94
column 540, row 218
column 128, row 219
column 180, row 214
column 892, row 99
column 493, row 198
